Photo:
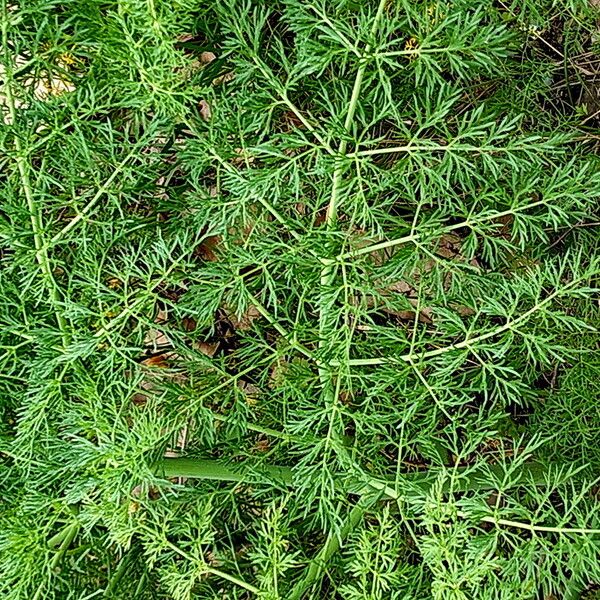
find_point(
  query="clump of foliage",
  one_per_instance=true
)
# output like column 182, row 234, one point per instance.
column 299, row 299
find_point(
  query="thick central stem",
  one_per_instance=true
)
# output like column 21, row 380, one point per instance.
column 328, row 271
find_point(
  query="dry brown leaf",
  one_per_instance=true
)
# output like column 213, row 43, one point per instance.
column 401, row 287
column 182, row 437
column 449, row 246
column 425, row 314
column 179, row 447
column 114, row 283
column 291, row 121
column 44, row 86
column 409, row 315
column 506, row 221
column 262, row 445
column 206, row 250
column 463, row 311
column 136, row 492
column 147, row 386
column 301, row 208
column 139, row 399
column 224, row 78
column 244, row 321
column 207, row 348
column 189, row 324
column 155, row 339
column 207, row 57
column 160, row 361
column 345, row 397
column 212, row 560
column 205, row 110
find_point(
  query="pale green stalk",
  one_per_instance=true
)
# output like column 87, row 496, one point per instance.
column 328, row 270
column 470, row 223
column 318, row 564
column 23, row 167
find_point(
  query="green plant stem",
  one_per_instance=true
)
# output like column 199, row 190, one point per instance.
column 286, row 437
column 318, row 564
column 269, row 76
column 65, row 538
column 328, row 270
column 23, row 167
column 419, row 51
column 462, row 479
column 58, row 538
column 332, row 209
column 470, row 223
column 140, row 586
column 232, row 579
column 466, row 343
column 470, row 148
column 213, row 571
column 119, row 573
column 213, row 470
column 419, row 482
column 535, row 528
column 72, row 531
column 341, row 37
column 94, row 200
column 281, row 330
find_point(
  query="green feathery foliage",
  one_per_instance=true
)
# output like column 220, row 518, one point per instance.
column 299, row 299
